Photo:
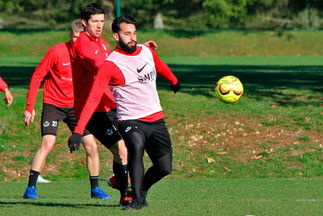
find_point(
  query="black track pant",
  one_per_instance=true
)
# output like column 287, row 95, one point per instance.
column 155, row 139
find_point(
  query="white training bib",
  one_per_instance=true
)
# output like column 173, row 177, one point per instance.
column 138, row 97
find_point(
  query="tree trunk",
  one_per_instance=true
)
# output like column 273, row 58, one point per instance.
column 158, row 22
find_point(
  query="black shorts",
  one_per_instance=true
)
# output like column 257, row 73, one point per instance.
column 52, row 115
column 104, row 127
column 155, row 134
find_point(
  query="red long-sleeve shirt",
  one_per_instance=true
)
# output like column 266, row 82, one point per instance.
column 3, row 85
column 88, row 55
column 110, row 74
column 55, row 68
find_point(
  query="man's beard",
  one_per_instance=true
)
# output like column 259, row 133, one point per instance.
column 124, row 47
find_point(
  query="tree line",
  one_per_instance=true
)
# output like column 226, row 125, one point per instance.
column 169, row 14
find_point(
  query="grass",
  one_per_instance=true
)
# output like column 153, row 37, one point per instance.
column 260, row 140
column 181, row 43
column 187, row 197
column 259, row 156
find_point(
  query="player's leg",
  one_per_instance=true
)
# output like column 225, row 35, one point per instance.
column 135, row 142
column 51, row 115
column 120, row 169
column 92, row 157
column 162, row 166
column 100, row 125
column 41, row 154
column 159, row 149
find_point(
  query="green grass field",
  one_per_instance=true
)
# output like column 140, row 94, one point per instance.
column 259, row 156
column 259, row 197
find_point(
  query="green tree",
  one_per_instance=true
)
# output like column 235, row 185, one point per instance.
column 225, row 13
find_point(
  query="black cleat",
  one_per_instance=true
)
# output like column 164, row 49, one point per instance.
column 134, row 205
column 125, row 201
column 144, row 201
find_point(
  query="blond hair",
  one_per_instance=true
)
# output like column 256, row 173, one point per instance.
column 77, row 26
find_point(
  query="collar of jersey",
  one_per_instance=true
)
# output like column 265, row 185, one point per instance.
column 91, row 36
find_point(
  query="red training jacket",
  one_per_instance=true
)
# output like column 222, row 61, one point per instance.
column 88, row 55
column 56, row 69
column 3, row 85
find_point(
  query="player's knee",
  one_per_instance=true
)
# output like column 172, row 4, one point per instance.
column 91, row 150
column 47, row 144
column 135, row 142
column 123, row 154
column 90, row 145
column 119, row 153
column 166, row 170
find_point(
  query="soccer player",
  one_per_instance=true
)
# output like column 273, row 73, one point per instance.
column 131, row 71
column 7, row 94
column 89, row 53
column 58, row 101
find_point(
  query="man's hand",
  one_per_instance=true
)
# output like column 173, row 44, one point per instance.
column 74, row 139
column 29, row 117
column 8, row 97
column 175, row 88
column 151, row 44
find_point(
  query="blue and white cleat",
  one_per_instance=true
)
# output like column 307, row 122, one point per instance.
column 30, row 193
column 99, row 193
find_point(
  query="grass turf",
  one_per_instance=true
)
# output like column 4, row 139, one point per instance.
column 174, row 197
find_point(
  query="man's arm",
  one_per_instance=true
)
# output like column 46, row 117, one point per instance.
column 38, row 76
column 164, row 71
column 151, row 44
column 101, row 82
column 7, row 94
column 3, row 85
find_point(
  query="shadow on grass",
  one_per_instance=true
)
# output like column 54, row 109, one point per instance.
column 258, row 81
column 17, row 76
column 201, row 79
column 54, row 204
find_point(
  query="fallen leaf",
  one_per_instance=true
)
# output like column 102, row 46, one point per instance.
column 82, row 162
column 210, row 160
column 182, row 165
column 221, row 153
column 227, row 169
column 258, row 157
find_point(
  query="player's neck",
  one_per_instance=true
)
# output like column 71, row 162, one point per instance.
column 91, row 36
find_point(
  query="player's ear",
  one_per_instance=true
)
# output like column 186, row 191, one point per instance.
column 116, row 36
column 84, row 23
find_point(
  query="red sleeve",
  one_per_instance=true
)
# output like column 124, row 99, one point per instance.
column 38, row 76
column 108, row 73
column 163, row 70
column 3, row 85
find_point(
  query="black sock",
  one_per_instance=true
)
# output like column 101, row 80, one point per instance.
column 33, row 176
column 121, row 174
column 94, row 180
